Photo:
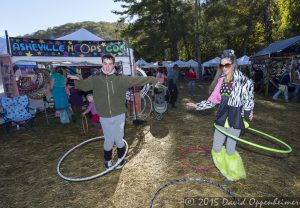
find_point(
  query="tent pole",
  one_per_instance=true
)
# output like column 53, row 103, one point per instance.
column 7, row 42
column 133, row 74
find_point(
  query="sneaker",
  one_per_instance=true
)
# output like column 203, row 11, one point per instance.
column 121, row 164
column 221, row 175
column 108, row 164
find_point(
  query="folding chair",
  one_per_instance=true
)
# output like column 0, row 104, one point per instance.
column 16, row 110
column 49, row 109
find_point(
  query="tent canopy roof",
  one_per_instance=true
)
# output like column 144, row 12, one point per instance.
column 141, row 62
column 179, row 63
column 81, row 34
column 192, row 63
column 212, row 62
column 278, row 46
column 244, row 60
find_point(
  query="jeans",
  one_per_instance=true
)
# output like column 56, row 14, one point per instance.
column 219, row 139
column 296, row 93
column 284, row 91
column 191, row 87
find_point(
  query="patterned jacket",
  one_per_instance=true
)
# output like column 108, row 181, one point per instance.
column 242, row 94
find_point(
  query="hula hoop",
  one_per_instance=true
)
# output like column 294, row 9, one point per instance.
column 85, row 124
column 146, row 87
column 89, row 177
column 202, row 180
column 183, row 152
column 43, row 85
column 288, row 150
column 144, row 113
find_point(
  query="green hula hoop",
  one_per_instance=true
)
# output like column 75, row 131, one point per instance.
column 289, row 149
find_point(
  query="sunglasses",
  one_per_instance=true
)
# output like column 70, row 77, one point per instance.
column 225, row 65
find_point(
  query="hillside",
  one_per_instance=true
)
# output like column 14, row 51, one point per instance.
column 105, row 30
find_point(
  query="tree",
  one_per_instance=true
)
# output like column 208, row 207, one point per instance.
column 160, row 25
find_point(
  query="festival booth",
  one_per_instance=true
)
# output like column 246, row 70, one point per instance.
column 33, row 59
column 271, row 62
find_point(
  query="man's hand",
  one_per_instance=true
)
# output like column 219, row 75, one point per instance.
column 72, row 77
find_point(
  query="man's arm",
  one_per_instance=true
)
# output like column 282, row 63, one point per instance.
column 85, row 85
column 138, row 81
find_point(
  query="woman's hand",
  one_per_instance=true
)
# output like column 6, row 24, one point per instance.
column 251, row 116
column 191, row 105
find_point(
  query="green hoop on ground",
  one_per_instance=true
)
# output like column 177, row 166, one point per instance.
column 288, row 150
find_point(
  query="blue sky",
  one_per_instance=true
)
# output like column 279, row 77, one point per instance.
column 21, row 17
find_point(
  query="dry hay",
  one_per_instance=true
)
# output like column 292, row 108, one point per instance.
column 29, row 159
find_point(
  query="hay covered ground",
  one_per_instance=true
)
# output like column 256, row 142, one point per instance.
column 29, row 159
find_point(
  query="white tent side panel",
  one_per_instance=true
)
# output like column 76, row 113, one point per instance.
column 3, row 47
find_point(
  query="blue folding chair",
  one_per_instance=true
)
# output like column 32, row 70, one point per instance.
column 16, row 111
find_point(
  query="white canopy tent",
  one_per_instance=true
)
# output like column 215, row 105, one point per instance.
column 212, row 63
column 179, row 63
column 192, row 63
column 156, row 64
column 81, row 34
column 244, row 60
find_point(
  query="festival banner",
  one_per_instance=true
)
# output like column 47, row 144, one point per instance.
column 66, row 48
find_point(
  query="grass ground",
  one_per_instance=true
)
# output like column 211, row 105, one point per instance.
column 29, row 159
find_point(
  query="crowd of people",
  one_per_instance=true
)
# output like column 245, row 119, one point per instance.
column 277, row 79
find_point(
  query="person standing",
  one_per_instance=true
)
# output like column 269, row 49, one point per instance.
column 283, row 86
column 191, row 76
column 58, row 88
column 234, row 92
column 295, row 80
column 109, row 92
column 172, row 84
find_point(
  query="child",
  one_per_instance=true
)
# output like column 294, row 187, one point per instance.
column 92, row 108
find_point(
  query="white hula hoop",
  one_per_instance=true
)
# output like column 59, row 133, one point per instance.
column 89, row 177
column 146, row 87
